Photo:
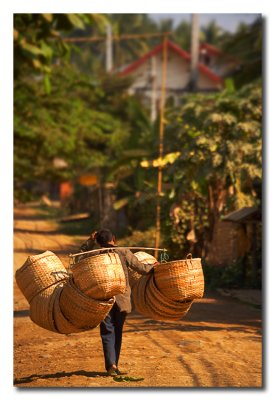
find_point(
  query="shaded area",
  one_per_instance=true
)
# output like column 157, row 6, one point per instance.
column 190, row 328
column 165, row 353
column 39, row 232
column 21, row 313
column 58, row 375
column 195, row 378
column 237, row 313
column 31, row 217
column 76, row 228
column 241, row 315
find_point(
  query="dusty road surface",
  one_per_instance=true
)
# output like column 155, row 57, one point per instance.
column 218, row 343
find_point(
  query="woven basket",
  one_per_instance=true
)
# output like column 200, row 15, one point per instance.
column 145, row 258
column 101, row 276
column 41, row 308
column 61, row 323
column 139, row 295
column 81, row 310
column 40, row 272
column 150, row 302
column 162, row 307
column 180, row 280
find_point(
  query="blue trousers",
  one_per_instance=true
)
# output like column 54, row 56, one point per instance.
column 111, row 335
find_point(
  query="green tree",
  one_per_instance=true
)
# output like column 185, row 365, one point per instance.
column 245, row 46
column 212, row 33
column 38, row 41
column 66, row 123
column 90, row 57
column 182, row 35
column 215, row 168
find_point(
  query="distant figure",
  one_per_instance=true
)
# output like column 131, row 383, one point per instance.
column 112, row 326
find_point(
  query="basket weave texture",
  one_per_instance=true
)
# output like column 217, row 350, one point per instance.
column 101, row 276
column 56, row 304
column 81, row 310
column 149, row 301
column 62, row 325
column 145, row 258
column 38, row 273
column 180, row 280
column 41, row 308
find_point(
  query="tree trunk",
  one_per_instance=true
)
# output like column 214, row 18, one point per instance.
column 108, row 213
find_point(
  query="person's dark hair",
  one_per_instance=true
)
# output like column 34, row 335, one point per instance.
column 103, row 237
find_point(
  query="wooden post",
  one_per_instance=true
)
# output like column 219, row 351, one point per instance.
column 254, row 254
column 161, row 135
column 100, row 201
column 153, row 89
column 109, row 49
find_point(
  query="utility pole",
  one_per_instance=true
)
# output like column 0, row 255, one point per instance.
column 195, row 31
column 109, row 49
column 153, row 89
column 161, row 136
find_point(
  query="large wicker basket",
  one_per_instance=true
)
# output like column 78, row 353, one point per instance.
column 162, row 307
column 101, row 276
column 145, row 258
column 138, row 295
column 61, row 323
column 180, row 280
column 41, row 308
column 150, row 302
column 38, row 273
column 81, row 310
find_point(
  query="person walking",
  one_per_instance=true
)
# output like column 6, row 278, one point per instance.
column 111, row 327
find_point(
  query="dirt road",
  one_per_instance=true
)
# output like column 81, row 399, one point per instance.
column 218, row 343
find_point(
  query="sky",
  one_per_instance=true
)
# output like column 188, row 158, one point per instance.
column 228, row 22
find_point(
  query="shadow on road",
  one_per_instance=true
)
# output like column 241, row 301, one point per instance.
column 58, row 375
column 21, row 313
column 37, row 232
column 31, row 217
column 225, row 313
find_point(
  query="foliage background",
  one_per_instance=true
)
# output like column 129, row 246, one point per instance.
column 67, row 107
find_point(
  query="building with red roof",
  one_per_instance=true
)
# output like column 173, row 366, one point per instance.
column 146, row 73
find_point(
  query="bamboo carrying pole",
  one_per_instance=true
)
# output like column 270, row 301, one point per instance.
column 116, row 248
column 161, row 136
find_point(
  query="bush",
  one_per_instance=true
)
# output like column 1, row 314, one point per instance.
column 231, row 276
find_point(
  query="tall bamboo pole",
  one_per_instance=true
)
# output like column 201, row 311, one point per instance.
column 153, row 89
column 109, row 49
column 161, row 136
column 195, row 32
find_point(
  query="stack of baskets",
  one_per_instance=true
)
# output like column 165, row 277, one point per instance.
column 65, row 302
column 72, row 302
column 38, row 279
column 168, row 292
